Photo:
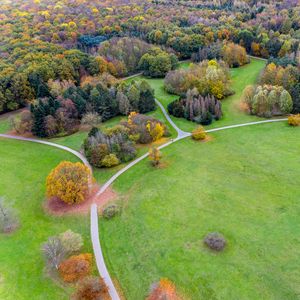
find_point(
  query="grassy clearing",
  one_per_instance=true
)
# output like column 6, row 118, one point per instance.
column 24, row 167
column 243, row 184
column 241, row 77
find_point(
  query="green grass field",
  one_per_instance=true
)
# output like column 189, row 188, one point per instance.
column 244, row 184
column 24, row 167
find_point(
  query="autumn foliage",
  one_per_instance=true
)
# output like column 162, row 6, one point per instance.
column 235, row 55
column 75, row 267
column 294, row 120
column 69, row 182
column 199, row 133
column 91, row 288
column 164, row 290
column 154, row 156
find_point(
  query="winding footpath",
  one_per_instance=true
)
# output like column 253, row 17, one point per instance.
column 102, row 269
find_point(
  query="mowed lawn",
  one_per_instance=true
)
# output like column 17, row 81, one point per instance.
column 244, row 183
column 23, row 170
column 232, row 113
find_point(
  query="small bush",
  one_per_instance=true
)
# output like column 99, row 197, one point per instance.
column 72, row 242
column 90, row 119
column 110, row 160
column 164, row 289
column 215, row 241
column 8, row 219
column 24, row 123
column 199, row 133
column 294, row 120
column 91, row 288
column 110, row 211
column 53, row 251
column 154, row 156
column 76, row 267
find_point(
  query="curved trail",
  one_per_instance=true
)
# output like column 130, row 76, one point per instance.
column 74, row 152
column 94, row 210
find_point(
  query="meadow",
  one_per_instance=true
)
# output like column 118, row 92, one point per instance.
column 243, row 184
column 24, row 167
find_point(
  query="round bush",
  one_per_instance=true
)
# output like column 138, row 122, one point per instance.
column 110, row 160
column 199, row 133
column 215, row 241
column 294, row 120
column 110, row 211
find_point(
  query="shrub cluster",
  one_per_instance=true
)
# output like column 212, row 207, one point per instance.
column 144, row 129
column 58, row 247
column 208, row 77
column 215, row 241
column 196, row 108
column 69, row 182
column 74, row 268
column 267, row 100
column 109, row 148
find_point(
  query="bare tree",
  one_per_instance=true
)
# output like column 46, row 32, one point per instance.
column 53, row 251
column 8, row 219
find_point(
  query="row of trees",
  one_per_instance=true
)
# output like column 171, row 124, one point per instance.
column 61, row 112
column 194, row 107
column 208, row 77
column 267, row 100
column 109, row 148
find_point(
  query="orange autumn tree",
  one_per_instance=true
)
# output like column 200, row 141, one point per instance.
column 69, row 182
column 76, row 267
column 164, row 290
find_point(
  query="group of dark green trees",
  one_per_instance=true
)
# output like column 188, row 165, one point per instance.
column 194, row 107
column 61, row 115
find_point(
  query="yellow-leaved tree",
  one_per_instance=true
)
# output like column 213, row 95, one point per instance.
column 154, row 156
column 69, row 182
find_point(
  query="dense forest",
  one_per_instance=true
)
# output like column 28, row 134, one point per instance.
column 42, row 41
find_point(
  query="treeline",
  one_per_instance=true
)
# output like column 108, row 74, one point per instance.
column 26, row 72
column 59, row 115
column 37, row 39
